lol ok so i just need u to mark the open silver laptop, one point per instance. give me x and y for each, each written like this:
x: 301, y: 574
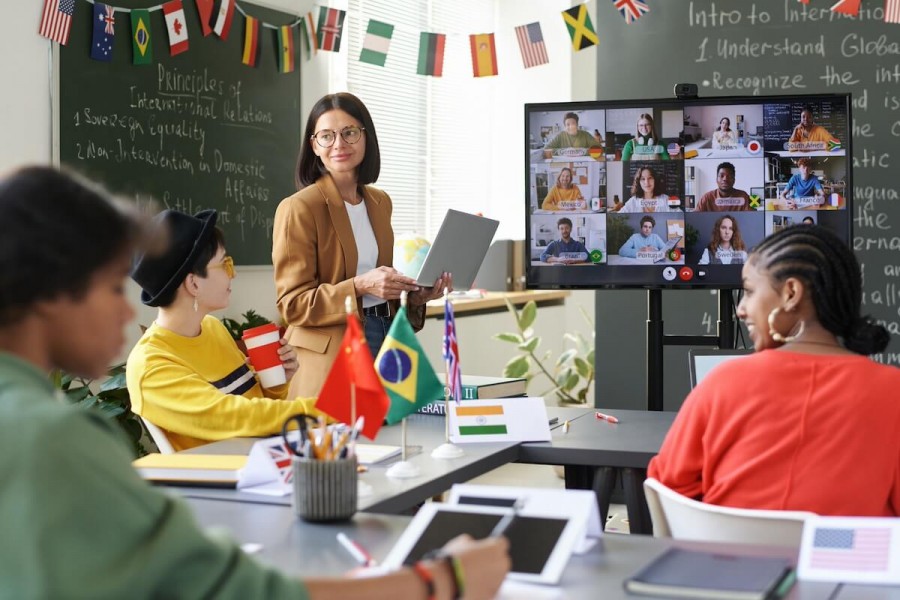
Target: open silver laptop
x: 459, y: 248
x: 703, y: 360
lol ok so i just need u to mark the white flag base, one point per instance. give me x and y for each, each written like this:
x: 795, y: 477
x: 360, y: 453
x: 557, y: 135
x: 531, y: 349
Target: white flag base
x: 403, y: 470
x: 363, y: 489
x: 447, y: 451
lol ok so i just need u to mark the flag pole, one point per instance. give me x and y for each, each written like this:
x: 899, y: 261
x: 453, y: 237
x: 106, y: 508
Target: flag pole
x: 348, y: 306
x: 447, y: 449
x: 403, y: 469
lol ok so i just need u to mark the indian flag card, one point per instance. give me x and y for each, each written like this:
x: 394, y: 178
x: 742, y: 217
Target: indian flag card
x: 499, y: 420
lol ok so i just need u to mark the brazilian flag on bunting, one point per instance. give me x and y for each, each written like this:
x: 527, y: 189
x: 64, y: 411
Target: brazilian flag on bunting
x: 405, y: 372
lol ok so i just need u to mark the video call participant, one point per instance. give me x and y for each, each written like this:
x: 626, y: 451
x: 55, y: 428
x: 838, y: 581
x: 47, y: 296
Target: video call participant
x: 83, y: 524
x: 647, y: 194
x: 645, y: 241
x: 646, y: 145
x: 186, y: 375
x: 809, y: 415
x: 725, y: 197
x: 808, y: 221
x: 803, y: 185
x: 808, y: 131
x: 564, y: 245
x: 564, y: 191
x: 726, y: 247
x: 724, y: 137
x: 333, y: 240
x: 572, y: 136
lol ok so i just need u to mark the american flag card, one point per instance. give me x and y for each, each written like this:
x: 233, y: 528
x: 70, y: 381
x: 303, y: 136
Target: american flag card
x: 531, y: 45
x: 892, y: 11
x: 850, y: 550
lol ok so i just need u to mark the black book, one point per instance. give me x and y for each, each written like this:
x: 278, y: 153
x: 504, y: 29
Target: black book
x: 476, y: 387
x: 681, y: 573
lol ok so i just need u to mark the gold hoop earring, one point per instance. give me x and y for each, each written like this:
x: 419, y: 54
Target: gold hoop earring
x: 784, y: 339
x: 195, y: 304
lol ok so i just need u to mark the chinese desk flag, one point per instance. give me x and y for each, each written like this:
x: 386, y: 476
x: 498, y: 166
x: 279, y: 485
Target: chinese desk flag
x: 405, y: 371
x: 353, y: 365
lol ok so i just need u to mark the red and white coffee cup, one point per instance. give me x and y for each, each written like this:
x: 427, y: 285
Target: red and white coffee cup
x: 262, y: 344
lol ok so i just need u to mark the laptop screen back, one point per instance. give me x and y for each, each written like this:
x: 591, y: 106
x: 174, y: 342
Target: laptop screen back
x: 704, y: 361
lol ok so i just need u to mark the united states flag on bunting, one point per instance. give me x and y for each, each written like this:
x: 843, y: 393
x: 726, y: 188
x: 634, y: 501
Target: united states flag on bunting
x: 56, y: 20
x: 531, y: 45
x: 631, y: 9
x: 892, y: 11
x: 451, y: 353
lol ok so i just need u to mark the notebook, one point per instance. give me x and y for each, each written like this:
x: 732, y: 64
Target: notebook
x: 216, y: 470
x: 681, y: 573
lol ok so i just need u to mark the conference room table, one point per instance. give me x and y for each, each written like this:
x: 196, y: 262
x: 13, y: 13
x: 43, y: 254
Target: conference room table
x: 308, y: 549
x: 592, y: 452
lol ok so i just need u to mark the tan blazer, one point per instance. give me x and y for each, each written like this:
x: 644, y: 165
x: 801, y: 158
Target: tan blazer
x: 315, y: 257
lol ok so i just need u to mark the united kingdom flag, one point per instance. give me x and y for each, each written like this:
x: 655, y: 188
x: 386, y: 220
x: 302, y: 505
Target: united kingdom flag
x: 631, y: 9
x: 281, y: 455
x: 451, y: 353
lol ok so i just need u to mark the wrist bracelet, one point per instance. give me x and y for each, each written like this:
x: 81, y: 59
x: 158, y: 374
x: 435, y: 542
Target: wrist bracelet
x: 426, y: 576
x: 458, y: 577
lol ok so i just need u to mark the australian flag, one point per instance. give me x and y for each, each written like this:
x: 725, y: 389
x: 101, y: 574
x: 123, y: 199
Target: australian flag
x: 104, y: 32
x: 451, y: 353
x: 631, y: 9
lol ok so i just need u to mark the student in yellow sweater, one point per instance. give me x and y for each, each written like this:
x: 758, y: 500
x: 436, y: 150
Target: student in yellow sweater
x: 186, y: 375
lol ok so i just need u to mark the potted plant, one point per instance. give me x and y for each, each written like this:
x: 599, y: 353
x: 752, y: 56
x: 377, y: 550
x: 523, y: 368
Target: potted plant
x: 570, y: 376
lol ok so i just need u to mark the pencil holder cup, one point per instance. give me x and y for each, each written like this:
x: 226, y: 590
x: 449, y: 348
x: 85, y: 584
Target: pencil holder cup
x: 324, y: 490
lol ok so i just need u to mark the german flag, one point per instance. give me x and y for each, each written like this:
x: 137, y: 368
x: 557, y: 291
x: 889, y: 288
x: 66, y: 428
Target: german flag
x: 251, y: 41
x: 285, y: 49
x: 484, y: 55
x: 431, y: 54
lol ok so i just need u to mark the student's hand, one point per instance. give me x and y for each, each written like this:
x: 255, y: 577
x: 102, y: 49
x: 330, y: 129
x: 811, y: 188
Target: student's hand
x: 484, y: 564
x: 435, y: 291
x: 384, y: 282
x: 648, y: 249
x: 288, y: 357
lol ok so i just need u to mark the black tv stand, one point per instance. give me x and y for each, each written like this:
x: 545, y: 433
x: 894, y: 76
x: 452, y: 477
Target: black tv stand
x: 657, y: 339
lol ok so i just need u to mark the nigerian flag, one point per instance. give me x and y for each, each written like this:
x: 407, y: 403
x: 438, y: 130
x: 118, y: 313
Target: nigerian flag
x: 404, y: 370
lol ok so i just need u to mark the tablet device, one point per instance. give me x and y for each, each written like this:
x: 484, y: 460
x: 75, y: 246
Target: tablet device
x: 459, y: 248
x: 539, y: 546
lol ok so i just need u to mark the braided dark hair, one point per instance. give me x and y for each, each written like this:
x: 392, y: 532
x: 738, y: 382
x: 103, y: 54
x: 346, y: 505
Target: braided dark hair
x: 829, y: 269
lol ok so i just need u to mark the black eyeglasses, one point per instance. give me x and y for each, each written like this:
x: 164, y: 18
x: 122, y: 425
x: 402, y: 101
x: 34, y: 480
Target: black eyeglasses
x: 327, y: 137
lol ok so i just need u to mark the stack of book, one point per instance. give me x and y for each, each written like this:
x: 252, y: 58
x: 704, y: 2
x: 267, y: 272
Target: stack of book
x: 476, y: 387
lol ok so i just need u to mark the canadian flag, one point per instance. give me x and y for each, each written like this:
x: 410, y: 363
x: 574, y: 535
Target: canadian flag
x: 178, y: 35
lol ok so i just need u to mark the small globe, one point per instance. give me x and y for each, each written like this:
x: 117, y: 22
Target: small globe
x: 410, y: 250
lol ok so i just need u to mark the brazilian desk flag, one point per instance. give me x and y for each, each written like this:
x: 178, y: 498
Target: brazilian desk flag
x: 404, y: 370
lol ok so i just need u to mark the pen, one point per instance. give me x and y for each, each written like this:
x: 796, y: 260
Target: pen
x: 504, y: 523
x: 356, y: 551
x: 607, y: 418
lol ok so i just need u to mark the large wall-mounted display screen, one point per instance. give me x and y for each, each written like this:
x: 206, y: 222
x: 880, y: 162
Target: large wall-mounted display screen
x: 675, y: 193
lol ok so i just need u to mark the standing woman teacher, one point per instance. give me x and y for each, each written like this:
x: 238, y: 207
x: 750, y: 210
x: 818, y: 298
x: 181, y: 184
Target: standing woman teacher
x: 333, y: 239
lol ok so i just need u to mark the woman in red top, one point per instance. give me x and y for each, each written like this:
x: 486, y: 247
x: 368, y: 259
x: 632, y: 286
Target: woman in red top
x: 808, y: 422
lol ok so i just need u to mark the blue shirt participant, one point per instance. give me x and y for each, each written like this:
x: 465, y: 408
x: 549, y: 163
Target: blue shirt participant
x: 564, y: 250
x: 645, y: 241
x: 804, y: 185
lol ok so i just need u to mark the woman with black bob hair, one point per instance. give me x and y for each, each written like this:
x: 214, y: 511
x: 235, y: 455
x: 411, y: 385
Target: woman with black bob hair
x: 65, y: 253
x: 333, y: 240
x: 808, y: 422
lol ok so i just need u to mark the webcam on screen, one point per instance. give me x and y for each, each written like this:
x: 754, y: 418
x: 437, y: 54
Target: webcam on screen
x: 685, y: 90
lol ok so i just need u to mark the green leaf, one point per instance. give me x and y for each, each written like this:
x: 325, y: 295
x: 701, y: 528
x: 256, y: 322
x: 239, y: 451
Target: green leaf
x: 571, y: 382
x: 114, y: 383
x: 583, y: 368
x: 529, y: 312
x: 110, y: 410
x: 563, y: 377
x: 566, y: 357
x: 530, y: 345
x: 590, y: 357
x: 517, y: 367
x: 508, y: 337
x: 76, y: 395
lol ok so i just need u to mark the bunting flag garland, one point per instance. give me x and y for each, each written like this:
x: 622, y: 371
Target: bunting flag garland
x: 205, y: 11
x: 56, y: 20
x: 141, y: 48
x: 104, y: 32
x: 285, y: 49
x: 251, y: 41
x: 178, y: 35
x: 431, y: 54
x: 331, y: 25
x: 309, y: 35
x: 631, y: 9
x: 531, y: 45
x: 892, y: 11
x: 224, y: 17
x: 803, y: 1
x: 484, y: 54
x: 377, y: 42
x: 581, y: 30
x: 847, y: 7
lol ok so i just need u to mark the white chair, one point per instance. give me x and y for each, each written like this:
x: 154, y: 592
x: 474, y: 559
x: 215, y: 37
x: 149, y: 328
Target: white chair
x: 682, y: 518
x: 159, y: 438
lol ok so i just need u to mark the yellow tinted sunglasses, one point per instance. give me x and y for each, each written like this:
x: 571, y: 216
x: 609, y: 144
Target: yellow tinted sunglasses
x: 227, y: 264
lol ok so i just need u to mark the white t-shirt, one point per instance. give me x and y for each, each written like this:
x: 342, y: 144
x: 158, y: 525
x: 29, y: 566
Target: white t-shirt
x: 366, y: 245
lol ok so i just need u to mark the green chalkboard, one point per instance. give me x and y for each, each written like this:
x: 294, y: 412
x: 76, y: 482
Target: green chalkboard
x: 197, y: 130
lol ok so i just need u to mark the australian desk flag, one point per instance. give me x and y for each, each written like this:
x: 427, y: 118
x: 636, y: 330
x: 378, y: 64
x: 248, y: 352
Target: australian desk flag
x: 404, y: 370
x: 104, y: 21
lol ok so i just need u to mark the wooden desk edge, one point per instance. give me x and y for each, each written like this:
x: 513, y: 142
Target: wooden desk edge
x: 495, y: 300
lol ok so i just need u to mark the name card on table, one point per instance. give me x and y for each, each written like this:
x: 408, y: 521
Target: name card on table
x: 850, y: 550
x: 499, y: 420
